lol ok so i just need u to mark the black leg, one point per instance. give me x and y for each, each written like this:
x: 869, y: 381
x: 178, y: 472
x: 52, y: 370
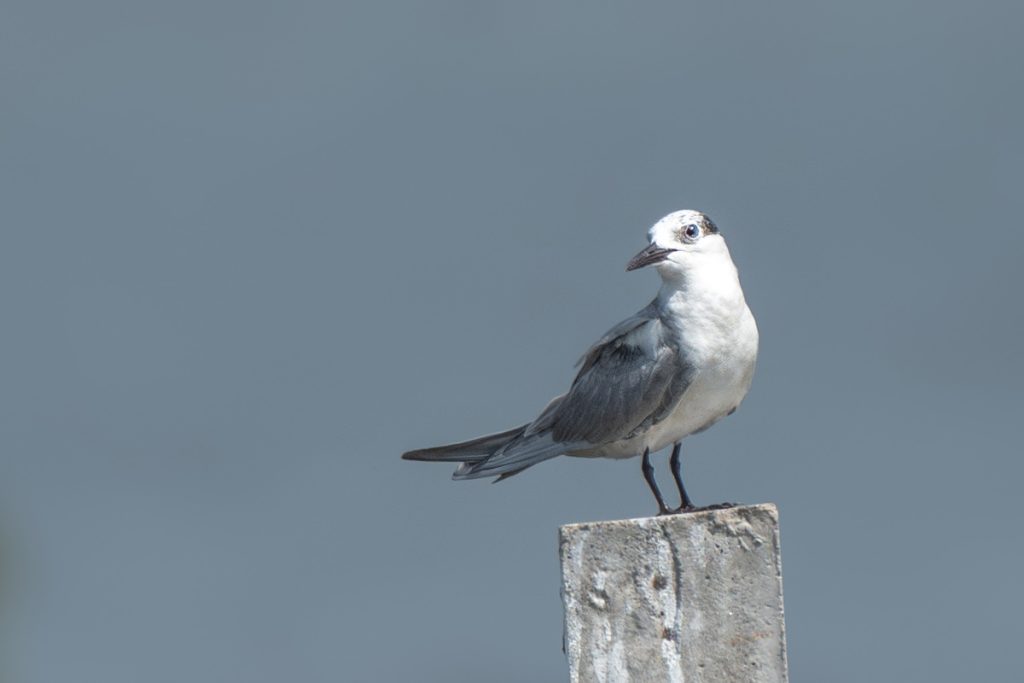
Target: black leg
x: 684, y: 500
x: 649, y: 476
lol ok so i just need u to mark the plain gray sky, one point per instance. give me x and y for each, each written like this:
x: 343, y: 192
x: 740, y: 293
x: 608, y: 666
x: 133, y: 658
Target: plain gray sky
x: 253, y: 251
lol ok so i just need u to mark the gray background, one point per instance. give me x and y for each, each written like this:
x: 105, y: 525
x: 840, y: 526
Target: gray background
x: 253, y: 251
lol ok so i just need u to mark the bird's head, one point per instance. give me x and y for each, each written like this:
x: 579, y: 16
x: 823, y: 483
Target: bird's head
x: 680, y: 242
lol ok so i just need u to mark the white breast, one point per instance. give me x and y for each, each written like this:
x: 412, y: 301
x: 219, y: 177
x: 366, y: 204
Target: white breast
x: 724, y: 365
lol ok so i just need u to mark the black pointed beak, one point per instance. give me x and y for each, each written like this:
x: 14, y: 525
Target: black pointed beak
x: 652, y: 254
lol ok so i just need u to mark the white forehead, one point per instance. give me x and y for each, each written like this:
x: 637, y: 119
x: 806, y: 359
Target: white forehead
x: 667, y: 226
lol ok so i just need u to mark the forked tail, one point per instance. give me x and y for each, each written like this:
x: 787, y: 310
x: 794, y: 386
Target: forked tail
x: 501, y: 455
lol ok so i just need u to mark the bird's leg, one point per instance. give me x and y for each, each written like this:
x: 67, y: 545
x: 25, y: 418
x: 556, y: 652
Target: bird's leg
x: 685, y: 504
x: 649, y: 476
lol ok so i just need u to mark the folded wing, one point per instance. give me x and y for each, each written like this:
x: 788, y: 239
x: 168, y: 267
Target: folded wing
x: 628, y: 380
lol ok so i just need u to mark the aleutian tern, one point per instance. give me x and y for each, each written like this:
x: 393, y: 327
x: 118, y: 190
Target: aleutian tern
x: 673, y: 369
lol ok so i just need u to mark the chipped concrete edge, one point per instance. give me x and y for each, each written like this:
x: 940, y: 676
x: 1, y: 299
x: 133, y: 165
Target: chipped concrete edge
x: 769, y: 508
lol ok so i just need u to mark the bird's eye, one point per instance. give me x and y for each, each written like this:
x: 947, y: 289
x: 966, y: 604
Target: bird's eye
x: 692, y: 232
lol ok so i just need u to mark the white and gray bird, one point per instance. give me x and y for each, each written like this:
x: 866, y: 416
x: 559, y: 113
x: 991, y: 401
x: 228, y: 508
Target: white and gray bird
x: 673, y: 369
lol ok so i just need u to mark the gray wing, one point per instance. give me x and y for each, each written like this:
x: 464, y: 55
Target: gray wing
x: 631, y: 378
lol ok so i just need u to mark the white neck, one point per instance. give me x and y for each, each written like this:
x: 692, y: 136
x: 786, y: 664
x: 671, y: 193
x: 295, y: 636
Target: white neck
x: 713, y: 279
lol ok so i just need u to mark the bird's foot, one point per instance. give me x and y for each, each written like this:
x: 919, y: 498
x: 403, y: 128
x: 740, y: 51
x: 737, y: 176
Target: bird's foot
x: 685, y: 509
x: 719, y: 506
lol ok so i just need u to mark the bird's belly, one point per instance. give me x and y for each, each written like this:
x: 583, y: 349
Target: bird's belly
x: 711, y: 396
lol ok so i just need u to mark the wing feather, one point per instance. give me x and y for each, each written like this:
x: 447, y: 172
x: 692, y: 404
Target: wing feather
x: 630, y: 378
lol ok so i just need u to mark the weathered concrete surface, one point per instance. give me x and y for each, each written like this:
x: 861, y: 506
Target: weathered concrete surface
x: 693, y: 597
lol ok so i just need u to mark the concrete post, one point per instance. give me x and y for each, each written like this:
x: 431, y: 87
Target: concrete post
x: 693, y: 597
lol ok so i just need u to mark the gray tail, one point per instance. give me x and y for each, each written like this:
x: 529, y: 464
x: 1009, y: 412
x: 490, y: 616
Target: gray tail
x: 501, y: 455
x: 473, y: 450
